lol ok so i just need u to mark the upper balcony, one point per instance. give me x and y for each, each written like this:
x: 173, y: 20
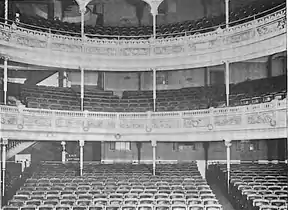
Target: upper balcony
x: 258, y: 37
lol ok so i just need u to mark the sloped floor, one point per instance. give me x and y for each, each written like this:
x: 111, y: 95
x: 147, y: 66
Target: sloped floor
x: 222, y: 199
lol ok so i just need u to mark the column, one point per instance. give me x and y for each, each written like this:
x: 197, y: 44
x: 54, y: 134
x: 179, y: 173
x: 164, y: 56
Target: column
x: 58, y: 13
x: 139, y: 81
x: 82, y: 11
x: 50, y: 9
x: 81, y: 144
x: 228, y: 160
x: 5, y: 79
x: 139, y: 147
x: 4, y: 144
x: 100, y: 81
x: 206, y: 72
x: 227, y: 12
x: 63, y: 144
x: 65, y: 79
x: 154, y: 89
x: 269, y: 66
x: 6, y: 11
x: 154, y: 11
x: 82, y: 88
x: 227, y: 82
x: 154, y: 144
x: 270, y: 149
x: 154, y: 24
x: 61, y: 78
x: 206, y: 153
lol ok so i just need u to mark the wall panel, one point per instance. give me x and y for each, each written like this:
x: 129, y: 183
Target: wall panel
x: 241, y: 71
x: 164, y: 151
x: 116, y: 81
x: 90, y: 78
x: 278, y: 66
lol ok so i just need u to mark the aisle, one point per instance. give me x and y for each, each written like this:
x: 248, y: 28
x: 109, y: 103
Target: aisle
x: 222, y: 199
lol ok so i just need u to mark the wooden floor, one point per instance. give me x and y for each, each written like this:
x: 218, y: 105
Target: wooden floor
x: 222, y: 199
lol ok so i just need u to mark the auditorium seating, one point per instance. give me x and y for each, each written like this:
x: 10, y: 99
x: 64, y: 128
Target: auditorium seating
x: 193, y: 98
x: 50, y: 98
x: 113, y: 187
x: 254, y: 10
x: 254, y: 186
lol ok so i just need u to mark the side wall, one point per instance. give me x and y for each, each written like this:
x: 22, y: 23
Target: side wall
x: 165, y: 151
x: 170, y: 11
x: 239, y: 72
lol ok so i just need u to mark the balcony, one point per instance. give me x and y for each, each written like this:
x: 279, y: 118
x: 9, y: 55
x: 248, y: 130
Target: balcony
x: 257, y: 38
x: 260, y: 121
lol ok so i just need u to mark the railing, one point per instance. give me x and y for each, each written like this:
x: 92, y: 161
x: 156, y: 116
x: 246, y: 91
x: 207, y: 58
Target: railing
x: 270, y: 115
x: 256, y: 28
x: 12, y: 144
x: 159, y: 35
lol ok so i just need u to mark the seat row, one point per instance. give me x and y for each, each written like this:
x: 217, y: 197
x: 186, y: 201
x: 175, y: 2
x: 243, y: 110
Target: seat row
x: 105, y: 202
x: 24, y: 195
x: 254, y: 187
x: 81, y: 196
x: 245, y: 93
x: 122, y: 189
x: 116, y: 207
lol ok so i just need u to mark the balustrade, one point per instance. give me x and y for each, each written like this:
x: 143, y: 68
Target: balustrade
x: 260, y: 28
x: 272, y: 115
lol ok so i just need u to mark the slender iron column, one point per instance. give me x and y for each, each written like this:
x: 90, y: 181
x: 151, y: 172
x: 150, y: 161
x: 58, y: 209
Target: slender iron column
x: 228, y: 160
x: 6, y: 11
x: 227, y: 12
x: 63, y: 143
x: 82, y: 88
x: 154, y: 25
x: 154, y: 145
x: 154, y: 89
x: 4, y: 144
x: 82, y: 11
x: 5, y: 79
x: 227, y: 82
x: 81, y: 144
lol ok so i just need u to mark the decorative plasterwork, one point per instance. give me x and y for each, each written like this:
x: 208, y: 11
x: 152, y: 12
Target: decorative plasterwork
x: 267, y: 120
x: 154, y: 4
x: 250, y: 40
x: 82, y: 4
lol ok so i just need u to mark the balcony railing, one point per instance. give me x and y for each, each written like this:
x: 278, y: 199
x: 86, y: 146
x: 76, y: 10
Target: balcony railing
x: 269, y: 116
x: 183, y: 43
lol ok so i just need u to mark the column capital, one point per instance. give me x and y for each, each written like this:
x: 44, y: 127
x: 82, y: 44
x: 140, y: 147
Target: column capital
x: 63, y: 143
x: 154, y: 143
x: 82, y: 10
x: 154, y: 4
x: 227, y: 142
x: 5, y: 57
x: 82, y: 5
x: 4, y: 141
x: 81, y: 143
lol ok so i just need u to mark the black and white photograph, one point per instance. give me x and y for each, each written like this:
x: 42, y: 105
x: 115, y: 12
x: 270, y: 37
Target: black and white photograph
x: 143, y: 105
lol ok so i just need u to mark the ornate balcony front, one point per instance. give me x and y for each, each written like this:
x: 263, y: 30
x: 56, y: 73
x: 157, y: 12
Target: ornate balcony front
x: 260, y: 37
x: 261, y: 121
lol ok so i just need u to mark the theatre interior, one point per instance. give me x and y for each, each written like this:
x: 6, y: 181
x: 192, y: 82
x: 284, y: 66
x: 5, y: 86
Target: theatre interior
x: 143, y: 105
